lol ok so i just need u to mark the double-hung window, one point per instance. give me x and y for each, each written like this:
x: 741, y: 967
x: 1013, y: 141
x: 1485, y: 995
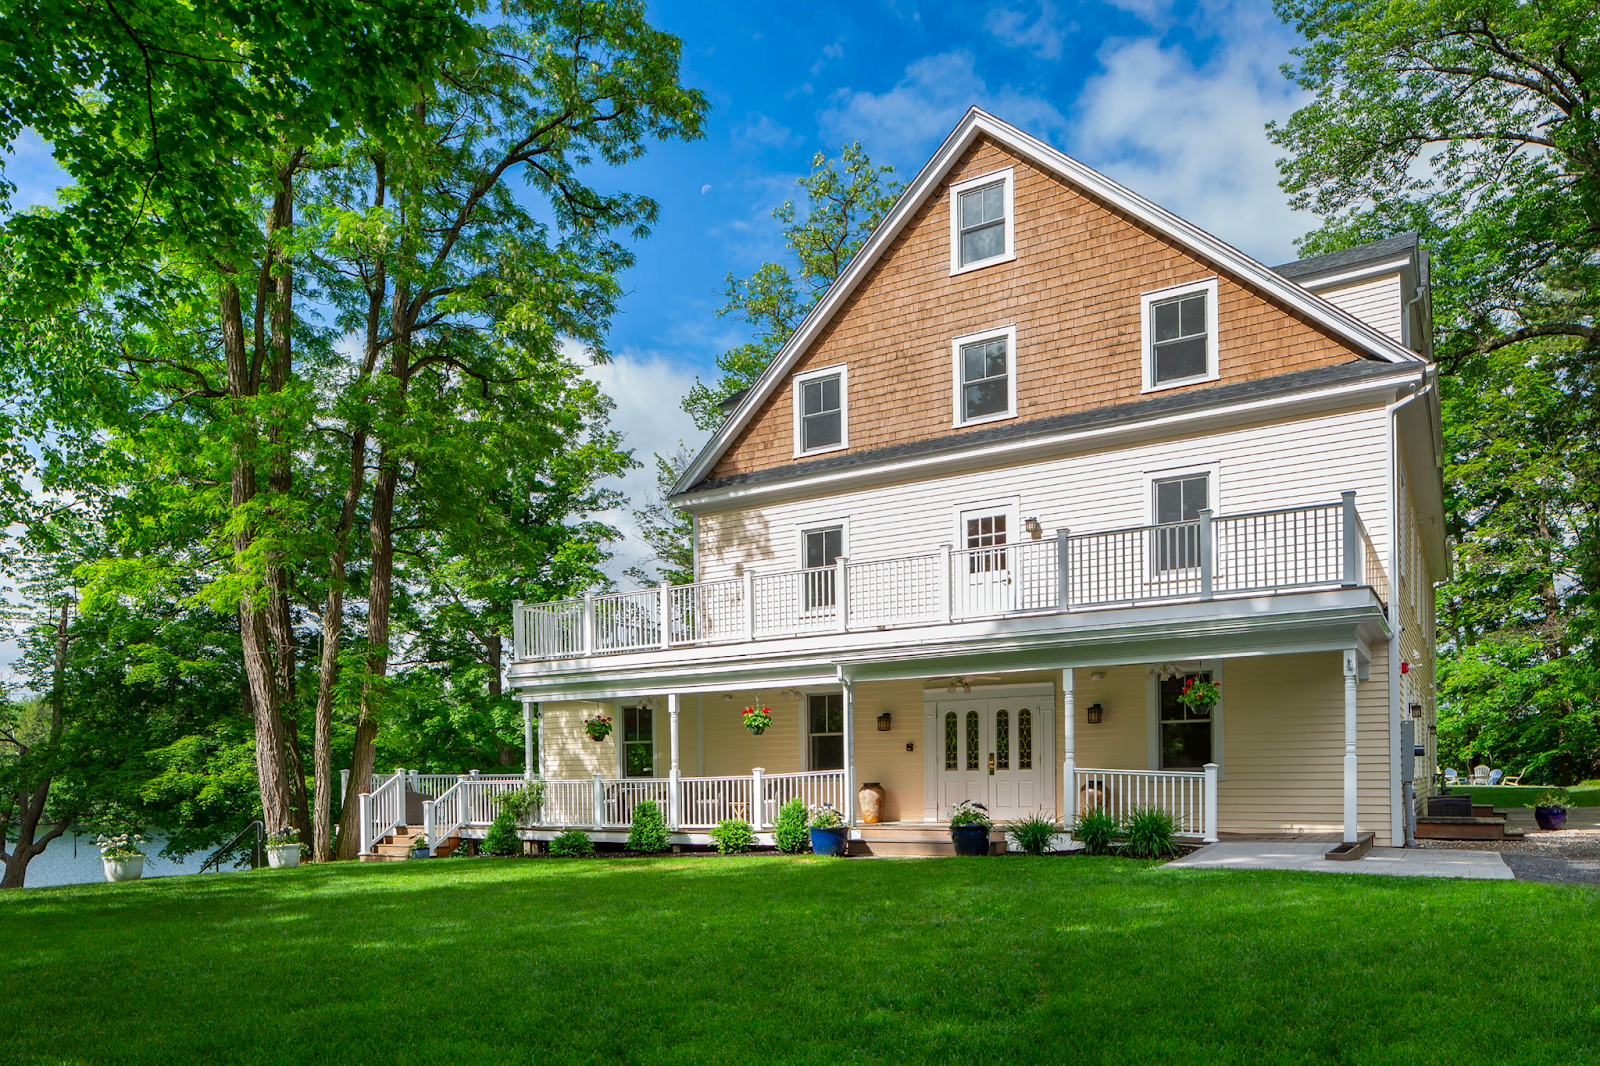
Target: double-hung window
x: 1177, y: 506
x: 638, y: 742
x: 820, y: 549
x: 1180, y: 335
x: 985, y: 376
x: 820, y: 422
x: 981, y: 225
x: 1186, y: 733
x: 825, y: 730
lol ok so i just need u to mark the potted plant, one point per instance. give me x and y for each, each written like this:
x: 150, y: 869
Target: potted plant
x: 969, y: 828
x: 757, y: 720
x: 1550, y: 809
x: 598, y: 727
x: 1200, y: 694
x: 829, y: 833
x: 283, y: 848
x: 120, y: 856
x: 419, y: 847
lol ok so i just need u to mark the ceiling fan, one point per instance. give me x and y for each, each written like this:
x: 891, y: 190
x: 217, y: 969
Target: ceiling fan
x: 961, y: 684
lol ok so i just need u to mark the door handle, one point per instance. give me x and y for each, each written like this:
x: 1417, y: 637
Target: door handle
x: 991, y: 764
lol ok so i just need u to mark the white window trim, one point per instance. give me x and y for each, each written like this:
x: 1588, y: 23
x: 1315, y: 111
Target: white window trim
x: 1005, y: 176
x: 1211, y: 472
x: 1011, y: 506
x: 804, y: 714
x: 844, y: 409
x: 816, y: 526
x: 1010, y: 335
x: 1153, y: 718
x: 1147, y: 353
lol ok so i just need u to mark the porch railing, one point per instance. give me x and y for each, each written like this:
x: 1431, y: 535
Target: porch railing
x: 1188, y: 796
x: 1291, y: 548
x: 382, y: 810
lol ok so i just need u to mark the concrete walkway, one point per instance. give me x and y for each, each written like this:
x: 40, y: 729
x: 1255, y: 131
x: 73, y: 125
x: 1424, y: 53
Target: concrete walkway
x: 1403, y: 862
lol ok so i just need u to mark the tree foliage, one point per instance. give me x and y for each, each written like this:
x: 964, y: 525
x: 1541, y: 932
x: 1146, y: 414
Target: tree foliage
x: 845, y: 201
x: 1474, y: 123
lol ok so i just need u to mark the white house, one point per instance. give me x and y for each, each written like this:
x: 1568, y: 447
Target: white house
x: 1043, y: 452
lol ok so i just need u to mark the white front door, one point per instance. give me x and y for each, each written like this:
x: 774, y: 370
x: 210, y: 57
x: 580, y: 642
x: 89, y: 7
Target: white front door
x: 983, y: 578
x: 994, y: 752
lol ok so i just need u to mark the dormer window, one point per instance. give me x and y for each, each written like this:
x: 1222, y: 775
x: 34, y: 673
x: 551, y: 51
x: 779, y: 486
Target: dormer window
x: 981, y: 225
x: 1179, y: 334
x: 820, y: 421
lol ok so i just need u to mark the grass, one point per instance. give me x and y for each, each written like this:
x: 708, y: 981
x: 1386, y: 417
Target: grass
x: 769, y: 959
x: 1585, y: 795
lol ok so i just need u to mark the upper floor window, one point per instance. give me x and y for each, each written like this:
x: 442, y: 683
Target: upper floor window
x: 985, y: 376
x: 1177, y: 505
x: 819, y: 402
x: 820, y: 549
x: 1180, y: 335
x: 981, y: 226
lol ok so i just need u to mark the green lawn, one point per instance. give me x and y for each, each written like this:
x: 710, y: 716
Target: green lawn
x: 767, y: 959
x: 1586, y: 795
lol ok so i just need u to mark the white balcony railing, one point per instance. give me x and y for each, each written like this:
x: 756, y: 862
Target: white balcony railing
x: 1321, y: 545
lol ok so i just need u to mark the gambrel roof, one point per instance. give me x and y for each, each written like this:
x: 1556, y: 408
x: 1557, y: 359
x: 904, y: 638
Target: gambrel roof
x: 1361, y: 337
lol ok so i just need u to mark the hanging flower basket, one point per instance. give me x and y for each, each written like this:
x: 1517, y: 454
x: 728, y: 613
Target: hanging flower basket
x: 1200, y: 695
x: 757, y: 720
x: 598, y: 727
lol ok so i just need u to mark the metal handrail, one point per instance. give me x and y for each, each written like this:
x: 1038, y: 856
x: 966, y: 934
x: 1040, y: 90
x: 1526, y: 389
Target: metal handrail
x: 217, y: 856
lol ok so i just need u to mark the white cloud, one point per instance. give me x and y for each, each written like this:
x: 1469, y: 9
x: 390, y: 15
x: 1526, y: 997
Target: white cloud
x: 906, y: 122
x: 647, y: 388
x: 1191, y: 137
x: 761, y: 130
x: 1042, y: 34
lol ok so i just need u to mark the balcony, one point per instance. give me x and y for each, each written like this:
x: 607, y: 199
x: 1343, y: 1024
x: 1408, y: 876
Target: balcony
x: 1320, y: 546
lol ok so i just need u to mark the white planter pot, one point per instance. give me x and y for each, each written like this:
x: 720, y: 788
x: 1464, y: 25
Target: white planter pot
x: 283, y: 856
x: 123, y: 869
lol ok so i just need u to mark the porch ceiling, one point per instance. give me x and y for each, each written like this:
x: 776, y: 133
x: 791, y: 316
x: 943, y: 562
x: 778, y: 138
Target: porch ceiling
x: 1263, y: 625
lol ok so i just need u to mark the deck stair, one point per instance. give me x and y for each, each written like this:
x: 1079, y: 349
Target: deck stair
x: 913, y: 839
x: 396, y: 847
x: 1486, y: 822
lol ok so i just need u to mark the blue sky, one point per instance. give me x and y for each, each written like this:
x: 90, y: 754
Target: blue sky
x: 1169, y: 98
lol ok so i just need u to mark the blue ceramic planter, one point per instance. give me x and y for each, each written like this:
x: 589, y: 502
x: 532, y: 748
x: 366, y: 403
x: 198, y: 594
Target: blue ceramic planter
x: 1550, y: 818
x: 970, y: 839
x: 835, y: 842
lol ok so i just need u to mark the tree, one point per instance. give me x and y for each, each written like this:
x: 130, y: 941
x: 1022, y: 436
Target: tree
x: 667, y: 531
x: 845, y: 201
x: 1474, y: 124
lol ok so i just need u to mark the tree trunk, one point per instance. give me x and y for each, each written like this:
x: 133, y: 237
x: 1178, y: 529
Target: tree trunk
x: 30, y: 803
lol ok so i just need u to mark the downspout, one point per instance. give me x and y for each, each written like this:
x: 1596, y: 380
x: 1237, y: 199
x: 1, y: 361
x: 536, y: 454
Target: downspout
x: 1398, y: 819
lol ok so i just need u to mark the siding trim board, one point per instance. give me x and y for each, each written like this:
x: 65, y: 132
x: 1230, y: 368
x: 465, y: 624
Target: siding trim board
x: 978, y: 123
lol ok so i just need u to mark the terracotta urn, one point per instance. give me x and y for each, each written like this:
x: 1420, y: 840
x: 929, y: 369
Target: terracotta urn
x: 870, y: 797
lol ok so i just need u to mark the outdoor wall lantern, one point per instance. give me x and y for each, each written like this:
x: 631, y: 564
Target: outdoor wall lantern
x: 1097, y: 714
x: 884, y: 720
x: 1032, y: 526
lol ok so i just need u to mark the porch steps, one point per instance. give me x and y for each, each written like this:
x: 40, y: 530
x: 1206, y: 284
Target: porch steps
x: 396, y: 847
x: 907, y: 839
x: 1485, y: 823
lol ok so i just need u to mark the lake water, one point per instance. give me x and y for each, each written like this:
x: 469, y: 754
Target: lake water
x: 74, y: 860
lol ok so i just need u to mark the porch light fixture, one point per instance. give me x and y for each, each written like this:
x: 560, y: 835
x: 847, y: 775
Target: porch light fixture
x: 883, y: 721
x: 1032, y: 526
x: 1096, y: 713
x: 958, y: 687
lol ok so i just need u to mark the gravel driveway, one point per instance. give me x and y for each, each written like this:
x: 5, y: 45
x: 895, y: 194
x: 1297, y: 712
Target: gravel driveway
x: 1568, y: 857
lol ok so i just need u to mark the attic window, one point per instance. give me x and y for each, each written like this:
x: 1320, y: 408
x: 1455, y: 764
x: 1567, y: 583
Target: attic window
x: 820, y: 423
x: 981, y: 224
x: 1179, y: 331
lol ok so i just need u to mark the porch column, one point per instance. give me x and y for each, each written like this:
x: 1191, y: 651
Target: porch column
x: 530, y: 755
x: 1351, y: 666
x: 1069, y: 755
x: 849, y: 749
x: 674, y: 802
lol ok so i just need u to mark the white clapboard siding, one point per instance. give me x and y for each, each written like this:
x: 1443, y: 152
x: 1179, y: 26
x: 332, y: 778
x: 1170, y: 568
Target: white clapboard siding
x: 1376, y: 301
x: 1283, y: 464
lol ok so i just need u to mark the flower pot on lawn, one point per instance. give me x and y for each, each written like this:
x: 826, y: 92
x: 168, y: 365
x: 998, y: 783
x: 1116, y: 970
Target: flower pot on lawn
x: 123, y: 869
x: 1550, y: 818
x: 283, y: 856
x: 970, y: 839
x: 834, y: 841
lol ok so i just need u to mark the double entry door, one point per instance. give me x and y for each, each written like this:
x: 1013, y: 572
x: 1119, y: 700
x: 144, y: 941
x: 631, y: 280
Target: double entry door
x: 994, y: 751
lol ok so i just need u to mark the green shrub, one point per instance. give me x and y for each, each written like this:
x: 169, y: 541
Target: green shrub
x: 501, y: 839
x: 573, y: 842
x: 1096, y: 830
x: 1034, y: 833
x: 791, y: 834
x: 1149, y: 833
x: 1553, y: 797
x: 733, y: 836
x: 521, y: 802
x: 648, y: 834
